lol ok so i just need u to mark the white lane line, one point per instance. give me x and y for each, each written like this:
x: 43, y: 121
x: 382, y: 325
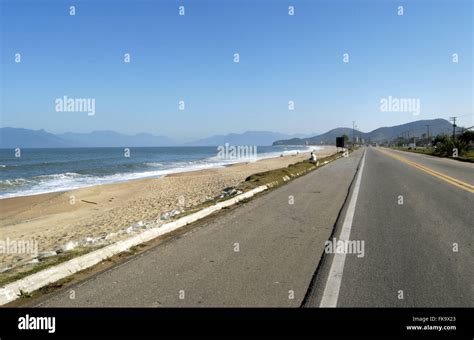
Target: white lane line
x: 333, y: 284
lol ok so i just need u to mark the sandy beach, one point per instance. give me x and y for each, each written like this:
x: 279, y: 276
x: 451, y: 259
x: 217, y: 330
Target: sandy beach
x: 104, y: 213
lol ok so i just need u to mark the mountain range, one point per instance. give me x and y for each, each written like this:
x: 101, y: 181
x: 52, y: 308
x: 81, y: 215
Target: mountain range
x: 25, y: 138
x: 247, y: 138
x: 383, y: 134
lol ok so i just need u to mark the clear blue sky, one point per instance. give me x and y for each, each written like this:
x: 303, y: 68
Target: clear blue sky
x: 282, y: 58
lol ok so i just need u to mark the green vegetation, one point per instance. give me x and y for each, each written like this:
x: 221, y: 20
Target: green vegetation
x: 275, y: 177
x: 24, y: 295
x: 443, y: 146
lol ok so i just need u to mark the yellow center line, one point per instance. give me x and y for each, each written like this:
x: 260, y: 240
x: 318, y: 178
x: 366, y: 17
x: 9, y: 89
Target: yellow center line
x: 446, y: 178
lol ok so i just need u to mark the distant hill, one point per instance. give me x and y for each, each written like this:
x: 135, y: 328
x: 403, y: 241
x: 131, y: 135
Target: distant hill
x: 260, y: 138
x: 24, y: 138
x: 326, y: 138
x: 383, y: 134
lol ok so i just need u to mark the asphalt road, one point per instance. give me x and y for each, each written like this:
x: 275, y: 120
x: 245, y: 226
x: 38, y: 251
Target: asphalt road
x: 418, y: 252
x: 410, y: 255
x: 279, y: 246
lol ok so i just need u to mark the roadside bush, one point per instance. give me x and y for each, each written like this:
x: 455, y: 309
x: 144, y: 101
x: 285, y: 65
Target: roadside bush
x: 467, y: 137
x: 444, y: 146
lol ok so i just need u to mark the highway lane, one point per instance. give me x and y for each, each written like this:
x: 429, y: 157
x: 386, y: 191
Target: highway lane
x: 418, y: 237
x: 263, y: 253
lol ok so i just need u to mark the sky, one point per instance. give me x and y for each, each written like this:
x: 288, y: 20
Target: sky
x: 283, y: 58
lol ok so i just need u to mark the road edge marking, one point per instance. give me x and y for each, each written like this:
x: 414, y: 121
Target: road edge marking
x: 333, y: 283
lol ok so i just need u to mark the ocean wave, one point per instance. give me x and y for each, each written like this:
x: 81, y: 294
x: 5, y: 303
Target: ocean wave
x: 68, y: 181
x: 154, y: 164
x: 65, y: 175
x: 14, y: 182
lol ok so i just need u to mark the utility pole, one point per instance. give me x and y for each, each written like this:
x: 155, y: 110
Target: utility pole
x: 453, y: 119
x: 428, y: 126
x: 353, y: 132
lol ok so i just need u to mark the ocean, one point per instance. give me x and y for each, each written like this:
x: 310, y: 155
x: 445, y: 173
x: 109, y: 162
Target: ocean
x: 39, y: 171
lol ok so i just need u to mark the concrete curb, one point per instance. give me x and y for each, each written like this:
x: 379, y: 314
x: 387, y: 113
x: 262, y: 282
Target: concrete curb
x: 42, y: 278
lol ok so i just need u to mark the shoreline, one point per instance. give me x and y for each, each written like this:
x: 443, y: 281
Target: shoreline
x: 103, y: 214
x: 150, y: 174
